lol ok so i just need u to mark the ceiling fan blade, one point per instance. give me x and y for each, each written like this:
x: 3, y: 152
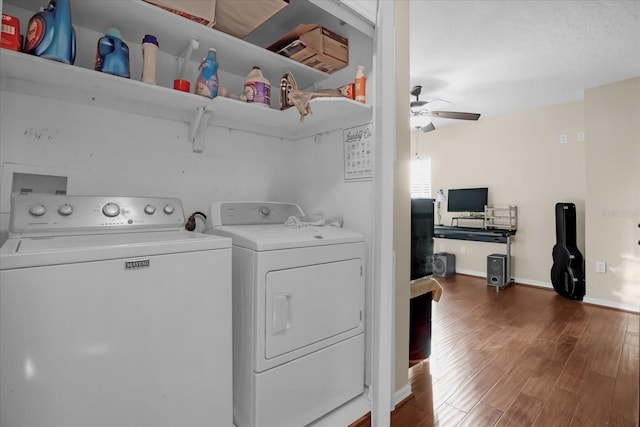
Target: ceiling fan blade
x: 452, y: 115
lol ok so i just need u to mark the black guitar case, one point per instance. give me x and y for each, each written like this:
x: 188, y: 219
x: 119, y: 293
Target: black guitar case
x: 567, y: 272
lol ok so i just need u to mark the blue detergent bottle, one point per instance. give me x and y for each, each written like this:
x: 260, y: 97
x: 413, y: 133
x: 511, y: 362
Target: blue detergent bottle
x: 207, y: 81
x: 50, y: 33
x: 112, y: 54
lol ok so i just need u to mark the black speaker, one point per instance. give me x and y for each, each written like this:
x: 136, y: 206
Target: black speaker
x: 444, y: 264
x: 497, y: 270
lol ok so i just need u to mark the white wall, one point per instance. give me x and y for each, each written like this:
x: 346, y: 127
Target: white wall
x: 402, y: 205
x: 520, y: 159
x: 109, y: 152
x: 612, y: 115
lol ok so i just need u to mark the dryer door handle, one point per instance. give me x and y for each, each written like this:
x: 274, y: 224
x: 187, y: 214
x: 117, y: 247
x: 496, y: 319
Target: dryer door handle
x: 281, y: 314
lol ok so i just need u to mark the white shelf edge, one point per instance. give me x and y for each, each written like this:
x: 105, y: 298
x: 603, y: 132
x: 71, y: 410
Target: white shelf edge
x: 31, y: 75
x: 329, y: 114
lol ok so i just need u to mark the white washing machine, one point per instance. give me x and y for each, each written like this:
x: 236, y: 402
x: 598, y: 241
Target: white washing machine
x: 298, y: 314
x: 111, y: 314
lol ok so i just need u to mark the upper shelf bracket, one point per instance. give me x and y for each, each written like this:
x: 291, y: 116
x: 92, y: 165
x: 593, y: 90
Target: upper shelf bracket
x: 197, y: 127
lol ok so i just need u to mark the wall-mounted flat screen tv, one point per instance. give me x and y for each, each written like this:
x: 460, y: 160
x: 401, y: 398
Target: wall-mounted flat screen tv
x: 471, y: 200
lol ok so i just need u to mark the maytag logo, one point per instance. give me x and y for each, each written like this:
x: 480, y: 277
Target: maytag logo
x: 133, y: 265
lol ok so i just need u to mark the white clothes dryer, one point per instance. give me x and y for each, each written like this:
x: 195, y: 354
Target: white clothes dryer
x: 298, y: 314
x: 111, y: 314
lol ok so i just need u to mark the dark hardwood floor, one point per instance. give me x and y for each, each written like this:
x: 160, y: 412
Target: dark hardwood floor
x: 523, y: 357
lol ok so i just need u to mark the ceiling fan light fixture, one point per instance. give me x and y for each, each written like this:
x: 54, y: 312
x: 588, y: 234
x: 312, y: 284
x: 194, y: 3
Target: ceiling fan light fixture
x: 419, y: 121
x: 428, y: 128
x: 418, y: 105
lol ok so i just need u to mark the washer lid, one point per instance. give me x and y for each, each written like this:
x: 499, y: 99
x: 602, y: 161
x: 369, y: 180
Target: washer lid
x: 41, y: 251
x: 276, y: 236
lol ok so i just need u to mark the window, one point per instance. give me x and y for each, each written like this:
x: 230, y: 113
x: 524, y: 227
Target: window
x: 420, y: 177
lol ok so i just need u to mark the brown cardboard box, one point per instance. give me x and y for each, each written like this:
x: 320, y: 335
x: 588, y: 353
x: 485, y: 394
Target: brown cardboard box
x: 235, y: 17
x: 240, y: 17
x: 314, y: 46
x: 202, y: 12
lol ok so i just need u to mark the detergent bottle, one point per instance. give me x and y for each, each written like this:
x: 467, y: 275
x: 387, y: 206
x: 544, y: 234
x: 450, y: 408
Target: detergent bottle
x: 149, y: 59
x: 50, y: 33
x: 207, y: 81
x: 112, y: 54
x: 257, y: 88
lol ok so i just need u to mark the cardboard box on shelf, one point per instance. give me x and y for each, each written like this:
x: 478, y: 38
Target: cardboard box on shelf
x: 202, y: 12
x: 239, y: 18
x: 314, y: 46
x: 229, y: 16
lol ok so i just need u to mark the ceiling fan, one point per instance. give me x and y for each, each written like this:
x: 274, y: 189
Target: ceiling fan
x: 422, y: 108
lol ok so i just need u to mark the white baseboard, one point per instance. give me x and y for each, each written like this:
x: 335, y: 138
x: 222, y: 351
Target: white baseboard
x: 547, y: 285
x: 471, y: 272
x: 612, y: 304
x: 531, y: 282
x: 401, y: 394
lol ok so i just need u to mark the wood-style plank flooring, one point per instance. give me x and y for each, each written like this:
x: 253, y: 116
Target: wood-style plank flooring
x: 523, y: 357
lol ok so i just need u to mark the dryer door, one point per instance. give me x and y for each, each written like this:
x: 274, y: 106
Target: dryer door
x: 309, y: 304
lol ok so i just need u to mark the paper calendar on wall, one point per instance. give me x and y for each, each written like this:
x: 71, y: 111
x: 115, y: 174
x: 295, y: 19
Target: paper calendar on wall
x: 359, y: 158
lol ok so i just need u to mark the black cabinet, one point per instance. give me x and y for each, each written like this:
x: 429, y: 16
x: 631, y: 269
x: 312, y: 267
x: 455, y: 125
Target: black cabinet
x: 420, y: 328
x: 421, y: 237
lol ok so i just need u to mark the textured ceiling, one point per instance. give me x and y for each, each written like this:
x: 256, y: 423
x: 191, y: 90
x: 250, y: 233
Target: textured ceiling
x: 497, y: 57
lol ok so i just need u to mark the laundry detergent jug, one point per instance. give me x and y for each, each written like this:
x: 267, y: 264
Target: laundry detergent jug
x: 112, y: 54
x: 50, y: 33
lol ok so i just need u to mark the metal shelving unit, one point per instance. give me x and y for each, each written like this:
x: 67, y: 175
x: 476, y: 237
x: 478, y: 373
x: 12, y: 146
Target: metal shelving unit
x: 501, y: 218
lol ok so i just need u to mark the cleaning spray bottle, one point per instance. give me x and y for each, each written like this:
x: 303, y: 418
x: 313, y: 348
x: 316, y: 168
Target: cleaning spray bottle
x: 50, y: 33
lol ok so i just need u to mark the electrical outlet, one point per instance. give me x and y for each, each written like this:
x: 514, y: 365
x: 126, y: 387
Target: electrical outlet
x: 601, y: 267
x: 442, y: 247
x: 463, y: 249
x: 581, y: 136
x: 563, y: 138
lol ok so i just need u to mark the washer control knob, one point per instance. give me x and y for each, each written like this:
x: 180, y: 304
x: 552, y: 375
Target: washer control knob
x: 37, y: 210
x: 264, y: 211
x: 111, y: 209
x: 65, y: 210
x: 150, y: 209
x: 168, y: 209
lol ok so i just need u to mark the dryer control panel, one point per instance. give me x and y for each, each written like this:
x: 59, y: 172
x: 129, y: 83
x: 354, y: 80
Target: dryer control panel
x: 51, y: 215
x: 251, y: 213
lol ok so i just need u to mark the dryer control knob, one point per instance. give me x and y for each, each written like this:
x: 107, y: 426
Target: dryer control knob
x: 168, y: 209
x: 111, y: 209
x: 264, y: 211
x: 65, y: 210
x: 150, y: 209
x: 37, y: 210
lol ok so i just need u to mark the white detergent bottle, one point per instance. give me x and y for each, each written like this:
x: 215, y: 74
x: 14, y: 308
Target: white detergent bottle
x: 257, y: 88
x: 149, y: 59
